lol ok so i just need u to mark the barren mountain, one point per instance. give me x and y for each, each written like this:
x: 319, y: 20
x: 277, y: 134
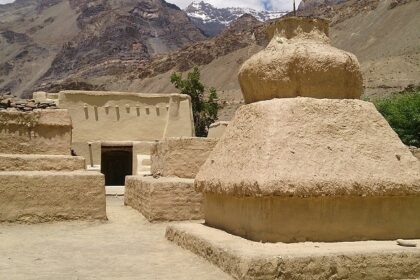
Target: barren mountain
x: 310, y: 6
x: 385, y: 36
x: 31, y: 34
x: 136, y: 45
x: 44, y: 41
x: 136, y: 74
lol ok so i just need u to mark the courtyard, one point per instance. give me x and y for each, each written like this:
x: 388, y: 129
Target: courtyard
x: 127, y: 246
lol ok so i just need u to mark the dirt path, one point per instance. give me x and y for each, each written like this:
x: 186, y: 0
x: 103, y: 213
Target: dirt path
x: 125, y: 247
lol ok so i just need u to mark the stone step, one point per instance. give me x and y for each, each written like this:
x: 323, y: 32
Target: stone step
x: 146, y: 161
x: 144, y: 168
x: 16, y: 162
x: 244, y: 259
x: 44, y: 196
x: 144, y: 174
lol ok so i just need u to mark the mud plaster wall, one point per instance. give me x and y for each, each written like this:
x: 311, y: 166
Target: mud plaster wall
x: 139, y: 148
x: 45, y: 196
x: 116, y: 116
x: 164, y: 199
x: 217, y: 130
x: 38, y: 132
x: 323, y: 219
x: 113, y: 116
x: 180, y: 157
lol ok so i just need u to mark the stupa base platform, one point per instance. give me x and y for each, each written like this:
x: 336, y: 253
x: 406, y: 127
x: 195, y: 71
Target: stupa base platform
x: 315, y: 219
x: 17, y: 162
x: 164, y: 199
x: 47, y: 196
x: 244, y: 259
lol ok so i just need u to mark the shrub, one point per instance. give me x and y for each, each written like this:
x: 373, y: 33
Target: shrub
x: 402, y: 111
x: 204, y: 109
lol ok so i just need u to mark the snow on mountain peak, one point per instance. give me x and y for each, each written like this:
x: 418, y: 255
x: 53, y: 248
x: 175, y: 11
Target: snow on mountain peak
x: 212, y: 20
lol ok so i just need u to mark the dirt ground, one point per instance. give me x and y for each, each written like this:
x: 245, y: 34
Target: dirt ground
x: 125, y: 247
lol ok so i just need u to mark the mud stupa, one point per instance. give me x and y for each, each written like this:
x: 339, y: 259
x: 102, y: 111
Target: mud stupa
x: 324, y: 166
x: 299, y: 61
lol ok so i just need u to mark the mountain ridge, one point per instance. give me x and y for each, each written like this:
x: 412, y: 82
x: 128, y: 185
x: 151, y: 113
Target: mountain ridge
x: 384, y: 35
x: 212, y: 20
x: 47, y: 40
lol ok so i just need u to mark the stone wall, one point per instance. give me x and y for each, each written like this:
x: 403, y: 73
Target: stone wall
x: 37, y: 132
x: 180, y: 157
x: 9, y: 103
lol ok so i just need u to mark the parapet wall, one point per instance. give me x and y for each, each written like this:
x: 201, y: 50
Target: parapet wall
x: 123, y: 116
x: 37, y: 132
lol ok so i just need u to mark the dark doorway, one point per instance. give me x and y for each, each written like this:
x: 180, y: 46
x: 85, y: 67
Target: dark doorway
x: 116, y: 163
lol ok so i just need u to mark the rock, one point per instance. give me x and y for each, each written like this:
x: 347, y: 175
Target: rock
x: 25, y: 105
x: 299, y: 61
x: 42, y: 106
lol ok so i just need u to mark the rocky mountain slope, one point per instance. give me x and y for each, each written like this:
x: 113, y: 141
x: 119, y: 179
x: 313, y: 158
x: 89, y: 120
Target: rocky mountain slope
x: 212, y: 20
x: 384, y: 35
x: 309, y: 6
x: 136, y: 45
x: 47, y: 40
x: 31, y: 35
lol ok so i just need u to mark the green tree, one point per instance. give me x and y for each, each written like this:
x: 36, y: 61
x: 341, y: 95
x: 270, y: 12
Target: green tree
x: 402, y: 111
x: 204, y: 109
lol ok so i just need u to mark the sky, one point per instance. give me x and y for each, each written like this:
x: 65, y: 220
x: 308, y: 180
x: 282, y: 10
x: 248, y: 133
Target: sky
x: 255, y: 4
